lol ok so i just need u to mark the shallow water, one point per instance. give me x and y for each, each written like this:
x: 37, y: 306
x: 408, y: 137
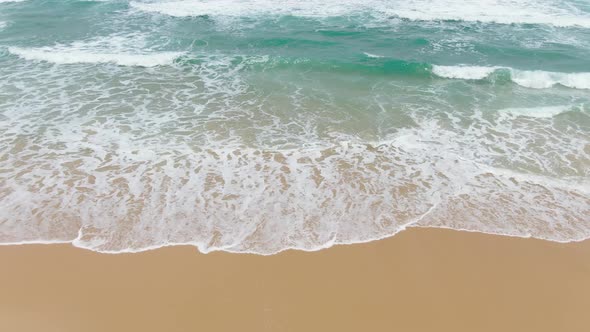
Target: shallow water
x: 259, y: 125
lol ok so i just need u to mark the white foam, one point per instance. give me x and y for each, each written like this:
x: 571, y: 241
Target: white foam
x: 537, y: 112
x: 147, y: 195
x: 535, y: 79
x: 69, y: 57
x: 463, y: 72
x: 7, y: 1
x: 233, y: 8
x: 551, y: 12
x: 124, y: 50
x: 538, y: 79
x: 374, y: 56
x: 129, y: 160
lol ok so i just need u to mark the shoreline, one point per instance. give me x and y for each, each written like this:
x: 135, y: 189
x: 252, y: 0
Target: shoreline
x: 418, y: 280
x: 288, y: 249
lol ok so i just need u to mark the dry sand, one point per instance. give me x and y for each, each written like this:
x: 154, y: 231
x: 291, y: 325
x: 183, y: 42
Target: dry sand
x: 419, y: 280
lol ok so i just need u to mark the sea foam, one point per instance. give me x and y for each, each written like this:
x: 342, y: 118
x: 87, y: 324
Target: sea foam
x: 152, y: 168
x: 548, y: 12
x: 538, y: 79
x: 463, y: 72
x: 535, y: 79
x: 374, y: 56
x: 122, y: 50
x: 74, y: 56
x: 537, y: 112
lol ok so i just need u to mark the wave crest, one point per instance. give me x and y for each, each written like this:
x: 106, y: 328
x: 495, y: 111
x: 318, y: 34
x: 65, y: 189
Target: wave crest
x: 537, y: 112
x: 541, y: 79
x: 535, y: 79
x: 463, y: 72
x: 76, y: 56
x: 122, y: 50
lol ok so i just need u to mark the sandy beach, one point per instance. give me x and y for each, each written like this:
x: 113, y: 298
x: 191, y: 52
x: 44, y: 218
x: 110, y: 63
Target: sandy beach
x: 419, y: 280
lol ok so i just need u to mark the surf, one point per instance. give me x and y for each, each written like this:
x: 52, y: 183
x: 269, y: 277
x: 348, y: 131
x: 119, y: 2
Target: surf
x: 546, y: 12
x: 535, y: 79
x: 61, y: 56
x: 260, y: 126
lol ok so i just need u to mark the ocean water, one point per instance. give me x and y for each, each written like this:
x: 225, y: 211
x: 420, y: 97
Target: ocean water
x: 264, y: 125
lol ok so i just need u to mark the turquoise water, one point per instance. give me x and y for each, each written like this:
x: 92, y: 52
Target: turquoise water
x: 259, y: 125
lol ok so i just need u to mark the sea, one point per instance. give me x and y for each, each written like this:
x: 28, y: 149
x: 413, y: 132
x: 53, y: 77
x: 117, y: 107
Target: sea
x: 257, y: 126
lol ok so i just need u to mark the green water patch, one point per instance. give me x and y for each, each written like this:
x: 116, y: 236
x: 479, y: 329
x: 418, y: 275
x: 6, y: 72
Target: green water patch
x: 366, y: 66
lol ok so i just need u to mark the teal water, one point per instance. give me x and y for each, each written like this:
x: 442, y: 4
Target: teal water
x: 260, y: 125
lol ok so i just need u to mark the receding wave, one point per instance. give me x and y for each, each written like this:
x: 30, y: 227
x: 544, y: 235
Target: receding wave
x: 536, y: 79
x: 549, y: 12
x: 249, y: 200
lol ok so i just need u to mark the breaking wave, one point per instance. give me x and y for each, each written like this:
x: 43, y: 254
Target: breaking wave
x: 122, y: 50
x: 74, y: 56
x: 538, y: 112
x: 548, y: 12
x: 535, y: 79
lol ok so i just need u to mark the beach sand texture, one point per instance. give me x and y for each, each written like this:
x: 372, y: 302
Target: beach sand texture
x: 419, y: 280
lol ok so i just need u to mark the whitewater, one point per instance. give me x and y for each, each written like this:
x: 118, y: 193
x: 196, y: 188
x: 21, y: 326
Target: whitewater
x: 257, y: 126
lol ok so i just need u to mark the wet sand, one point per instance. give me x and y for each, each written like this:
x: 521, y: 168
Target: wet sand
x: 419, y: 280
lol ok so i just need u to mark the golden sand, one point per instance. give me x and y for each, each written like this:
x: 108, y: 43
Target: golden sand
x: 419, y: 280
